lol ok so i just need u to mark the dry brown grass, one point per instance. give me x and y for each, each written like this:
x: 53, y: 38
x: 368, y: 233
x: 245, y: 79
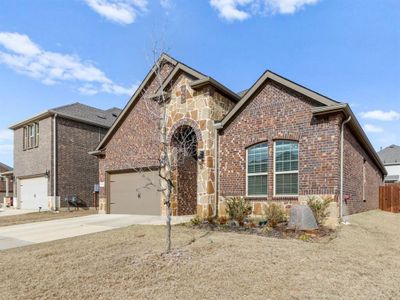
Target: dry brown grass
x: 43, y: 216
x: 362, y: 262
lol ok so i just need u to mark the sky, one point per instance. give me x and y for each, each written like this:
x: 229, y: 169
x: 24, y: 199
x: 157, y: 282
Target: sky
x: 56, y: 52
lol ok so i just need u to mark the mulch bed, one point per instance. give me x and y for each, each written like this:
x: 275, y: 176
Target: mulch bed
x: 280, y: 231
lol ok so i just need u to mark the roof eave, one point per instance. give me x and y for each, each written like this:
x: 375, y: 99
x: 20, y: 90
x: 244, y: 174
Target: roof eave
x: 77, y: 119
x: 37, y: 117
x: 355, y: 125
x: 269, y: 75
x: 134, y: 97
x: 220, y: 87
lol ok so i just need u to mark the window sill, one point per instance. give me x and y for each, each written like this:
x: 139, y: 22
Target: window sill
x: 256, y: 198
x: 285, y: 197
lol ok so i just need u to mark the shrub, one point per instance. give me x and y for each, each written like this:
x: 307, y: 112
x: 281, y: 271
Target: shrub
x: 275, y: 214
x: 222, y: 220
x: 319, y: 208
x: 196, y: 221
x: 238, y: 209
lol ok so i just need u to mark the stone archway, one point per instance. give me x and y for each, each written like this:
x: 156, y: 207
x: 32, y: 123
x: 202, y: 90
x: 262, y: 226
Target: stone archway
x: 184, y: 142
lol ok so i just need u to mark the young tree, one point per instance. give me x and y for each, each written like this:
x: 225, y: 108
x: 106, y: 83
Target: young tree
x: 173, y: 152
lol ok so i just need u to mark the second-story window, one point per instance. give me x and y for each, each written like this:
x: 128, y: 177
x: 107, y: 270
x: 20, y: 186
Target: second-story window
x: 31, y: 136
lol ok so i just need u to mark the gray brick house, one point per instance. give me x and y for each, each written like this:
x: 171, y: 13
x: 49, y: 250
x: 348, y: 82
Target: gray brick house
x: 51, y: 159
x: 390, y: 157
x: 276, y: 141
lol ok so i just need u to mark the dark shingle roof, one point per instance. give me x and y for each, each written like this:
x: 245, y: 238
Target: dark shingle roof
x: 390, y: 155
x: 89, y: 114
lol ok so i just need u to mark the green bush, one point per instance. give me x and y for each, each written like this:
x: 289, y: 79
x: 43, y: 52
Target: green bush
x: 319, y: 208
x: 196, y: 221
x: 238, y: 209
x: 275, y: 214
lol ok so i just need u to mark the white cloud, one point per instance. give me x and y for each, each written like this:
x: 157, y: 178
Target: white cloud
x: 239, y: 10
x: 231, y: 9
x: 372, y: 128
x: 119, y: 11
x: 167, y: 4
x: 381, y: 115
x: 25, y: 57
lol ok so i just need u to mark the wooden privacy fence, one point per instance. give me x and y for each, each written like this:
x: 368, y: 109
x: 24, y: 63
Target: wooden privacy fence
x: 389, y: 198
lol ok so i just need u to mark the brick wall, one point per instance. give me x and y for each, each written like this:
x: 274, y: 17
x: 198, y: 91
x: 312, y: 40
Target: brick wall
x: 279, y: 113
x: 36, y: 161
x: 77, y: 171
x: 135, y: 143
x: 362, y: 177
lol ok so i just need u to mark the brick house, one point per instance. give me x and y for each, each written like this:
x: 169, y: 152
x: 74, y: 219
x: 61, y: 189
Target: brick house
x: 51, y: 159
x: 390, y: 157
x: 6, y: 181
x: 277, y: 141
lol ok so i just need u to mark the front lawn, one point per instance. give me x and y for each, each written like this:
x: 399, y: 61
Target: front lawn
x: 360, y: 263
x: 43, y: 216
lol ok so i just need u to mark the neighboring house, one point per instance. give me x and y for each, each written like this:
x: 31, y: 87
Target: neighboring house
x: 277, y: 141
x: 51, y: 160
x: 390, y: 157
x: 6, y: 182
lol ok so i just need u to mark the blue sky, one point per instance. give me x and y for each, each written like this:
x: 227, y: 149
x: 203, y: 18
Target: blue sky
x: 55, y: 52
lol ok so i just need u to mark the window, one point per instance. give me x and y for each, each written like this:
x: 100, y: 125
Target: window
x: 257, y: 170
x: 286, y: 168
x: 31, y: 136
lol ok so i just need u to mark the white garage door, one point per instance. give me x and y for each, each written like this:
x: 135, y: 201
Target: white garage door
x: 34, y: 193
x: 135, y: 193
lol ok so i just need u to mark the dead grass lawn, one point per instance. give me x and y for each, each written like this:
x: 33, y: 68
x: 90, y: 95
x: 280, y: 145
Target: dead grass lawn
x: 362, y: 262
x: 43, y: 216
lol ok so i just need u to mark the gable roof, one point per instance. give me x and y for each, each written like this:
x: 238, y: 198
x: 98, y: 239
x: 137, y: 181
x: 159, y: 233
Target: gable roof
x: 77, y: 112
x: 390, y: 155
x: 135, y: 97
x: 179, y: 67
x: 327, y: 106
x: 269, y: 75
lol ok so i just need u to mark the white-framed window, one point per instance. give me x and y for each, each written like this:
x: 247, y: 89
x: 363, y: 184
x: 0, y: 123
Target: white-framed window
x: 286, y: 168
x: 31, y: 136
x: 257, y: 170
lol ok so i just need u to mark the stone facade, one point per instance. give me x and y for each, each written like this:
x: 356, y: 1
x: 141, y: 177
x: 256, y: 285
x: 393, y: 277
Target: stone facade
x: 199, y: 109
x: 135, y: 144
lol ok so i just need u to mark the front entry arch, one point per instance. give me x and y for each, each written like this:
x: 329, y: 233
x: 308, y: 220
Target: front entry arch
x: 184, y: 143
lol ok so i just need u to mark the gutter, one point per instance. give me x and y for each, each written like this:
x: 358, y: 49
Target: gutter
x: 356, y: 128
x: 216, y: 172
x: 342, y: 167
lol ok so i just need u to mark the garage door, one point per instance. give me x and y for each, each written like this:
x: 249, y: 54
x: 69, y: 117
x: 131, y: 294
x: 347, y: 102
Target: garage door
x: 34, y: 193
x: 135, y: 193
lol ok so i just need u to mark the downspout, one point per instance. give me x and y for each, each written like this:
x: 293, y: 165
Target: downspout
x: 216, y: 172
x: 55, y: 162
x: 341, y: 166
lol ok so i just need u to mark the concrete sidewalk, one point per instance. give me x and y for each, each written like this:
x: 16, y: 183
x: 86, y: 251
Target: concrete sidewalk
x: 40, y: 232
x: 5, y: 212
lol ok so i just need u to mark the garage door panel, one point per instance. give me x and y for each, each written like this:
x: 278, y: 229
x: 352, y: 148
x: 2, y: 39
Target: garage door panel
x: 135, y: 193
x: 34, y: 193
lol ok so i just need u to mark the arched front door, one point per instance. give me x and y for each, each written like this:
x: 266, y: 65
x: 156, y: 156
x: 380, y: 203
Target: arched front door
x: 184, y: 141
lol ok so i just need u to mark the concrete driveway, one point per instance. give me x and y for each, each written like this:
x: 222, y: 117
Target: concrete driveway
x: 40, y: 232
